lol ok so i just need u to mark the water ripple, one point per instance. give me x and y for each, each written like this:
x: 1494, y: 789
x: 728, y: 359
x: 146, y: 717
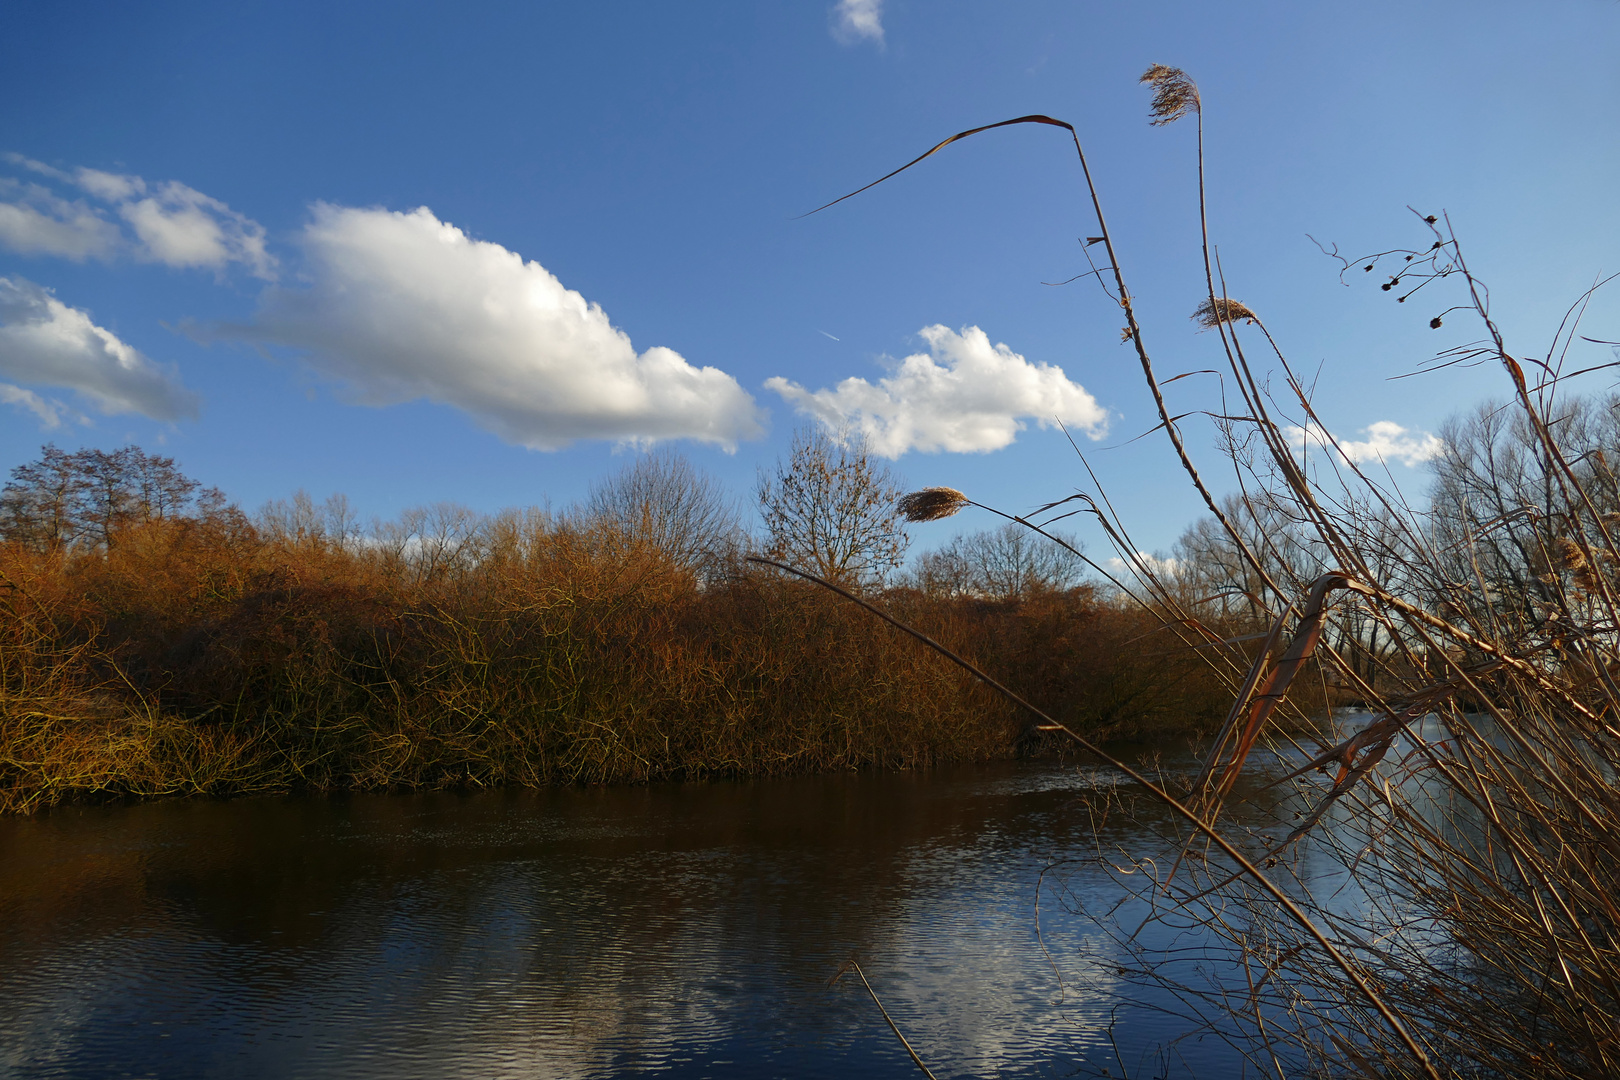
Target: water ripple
x: 677, y: 930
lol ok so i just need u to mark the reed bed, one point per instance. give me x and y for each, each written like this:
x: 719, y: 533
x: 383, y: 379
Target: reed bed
x: 1470, y: 803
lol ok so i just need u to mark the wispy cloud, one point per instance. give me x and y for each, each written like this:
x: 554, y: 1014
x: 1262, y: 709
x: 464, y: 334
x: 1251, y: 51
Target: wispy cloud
x: 167, y: 221
x: 963, y: 395
x: 1154, y: 564
x: 855, y: 21
x: 48, y: 411
x: 1385, y: 441
x: 45, y: 342
x: 403, y: 306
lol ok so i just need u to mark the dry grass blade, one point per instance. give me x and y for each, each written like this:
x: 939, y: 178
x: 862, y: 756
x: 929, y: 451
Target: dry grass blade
x: 1249, y: 714
x: 1034, y: 118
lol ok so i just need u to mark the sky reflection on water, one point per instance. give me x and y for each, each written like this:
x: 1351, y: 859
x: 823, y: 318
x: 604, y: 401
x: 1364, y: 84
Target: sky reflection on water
x: 678, y: 930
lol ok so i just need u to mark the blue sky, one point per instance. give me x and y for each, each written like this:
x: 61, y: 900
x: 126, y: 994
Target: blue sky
x: 481, y: 253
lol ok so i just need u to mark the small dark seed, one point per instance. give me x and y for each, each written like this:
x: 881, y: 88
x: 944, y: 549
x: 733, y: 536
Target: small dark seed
x: 1434, y: 323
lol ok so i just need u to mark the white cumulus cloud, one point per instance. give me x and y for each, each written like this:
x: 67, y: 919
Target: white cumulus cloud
x: 35, y: 221
x: 401, y: 306
x: 963, y: 395
x: 858, y: 20
x: 1385, y: 441
x: 171, y: 223
x: 179, y: 226
x: 46, y: 342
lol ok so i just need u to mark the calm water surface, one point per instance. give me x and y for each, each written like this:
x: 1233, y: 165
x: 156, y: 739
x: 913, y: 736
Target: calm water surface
x: 681, y: 930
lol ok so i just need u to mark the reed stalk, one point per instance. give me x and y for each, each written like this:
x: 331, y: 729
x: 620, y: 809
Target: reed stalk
x: 1471, y: 798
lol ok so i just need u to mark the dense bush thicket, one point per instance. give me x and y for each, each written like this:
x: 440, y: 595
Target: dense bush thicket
x: 204, y: 652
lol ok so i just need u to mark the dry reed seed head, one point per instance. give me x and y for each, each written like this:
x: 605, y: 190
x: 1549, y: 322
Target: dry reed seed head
x: 931, y: 504
x: 1174, y: 93
x: 1211, y: 313
x: 1574, y: 559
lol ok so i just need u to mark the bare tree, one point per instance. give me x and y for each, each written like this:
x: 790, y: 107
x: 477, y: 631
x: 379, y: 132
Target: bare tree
x: 37, y: 507
x: 661, y: 499
x: 1211, y: 565
x: 298, y: 522
x: 434, y: 542
x: 1504, y: 520
x: 831, y: 509
x: 1009, y: 563
x: 89, y: 496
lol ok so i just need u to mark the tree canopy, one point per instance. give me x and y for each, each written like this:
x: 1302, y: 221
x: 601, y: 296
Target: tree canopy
x: 831, y: 509
x: 86, y: 498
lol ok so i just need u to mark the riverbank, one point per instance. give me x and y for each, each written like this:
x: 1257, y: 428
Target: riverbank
x: 199, y: 657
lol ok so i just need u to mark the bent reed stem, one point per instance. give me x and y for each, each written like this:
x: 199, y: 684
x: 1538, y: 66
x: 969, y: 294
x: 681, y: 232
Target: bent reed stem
x: 1248, y: 868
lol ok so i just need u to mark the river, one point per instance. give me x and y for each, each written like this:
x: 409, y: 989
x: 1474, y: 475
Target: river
x: 676, y: 930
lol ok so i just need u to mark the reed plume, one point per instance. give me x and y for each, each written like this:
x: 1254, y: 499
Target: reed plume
x: 1174, y: 94
x: 931, y: 504
x: 1212, y: 312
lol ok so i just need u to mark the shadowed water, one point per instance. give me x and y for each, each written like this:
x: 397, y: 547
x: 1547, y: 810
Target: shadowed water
x: 678, y: 930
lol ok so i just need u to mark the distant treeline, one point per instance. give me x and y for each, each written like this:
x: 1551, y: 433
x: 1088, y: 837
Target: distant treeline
x: 157, y: 640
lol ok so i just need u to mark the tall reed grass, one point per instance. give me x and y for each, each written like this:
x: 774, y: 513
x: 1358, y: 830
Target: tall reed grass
x: 1471, y: 805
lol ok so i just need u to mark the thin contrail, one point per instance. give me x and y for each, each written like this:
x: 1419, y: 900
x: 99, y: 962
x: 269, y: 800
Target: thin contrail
x: 829, y: 335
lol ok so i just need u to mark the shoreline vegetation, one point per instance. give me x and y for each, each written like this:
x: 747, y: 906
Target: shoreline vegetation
x: 1471, y: 811
x: 158, y: 642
